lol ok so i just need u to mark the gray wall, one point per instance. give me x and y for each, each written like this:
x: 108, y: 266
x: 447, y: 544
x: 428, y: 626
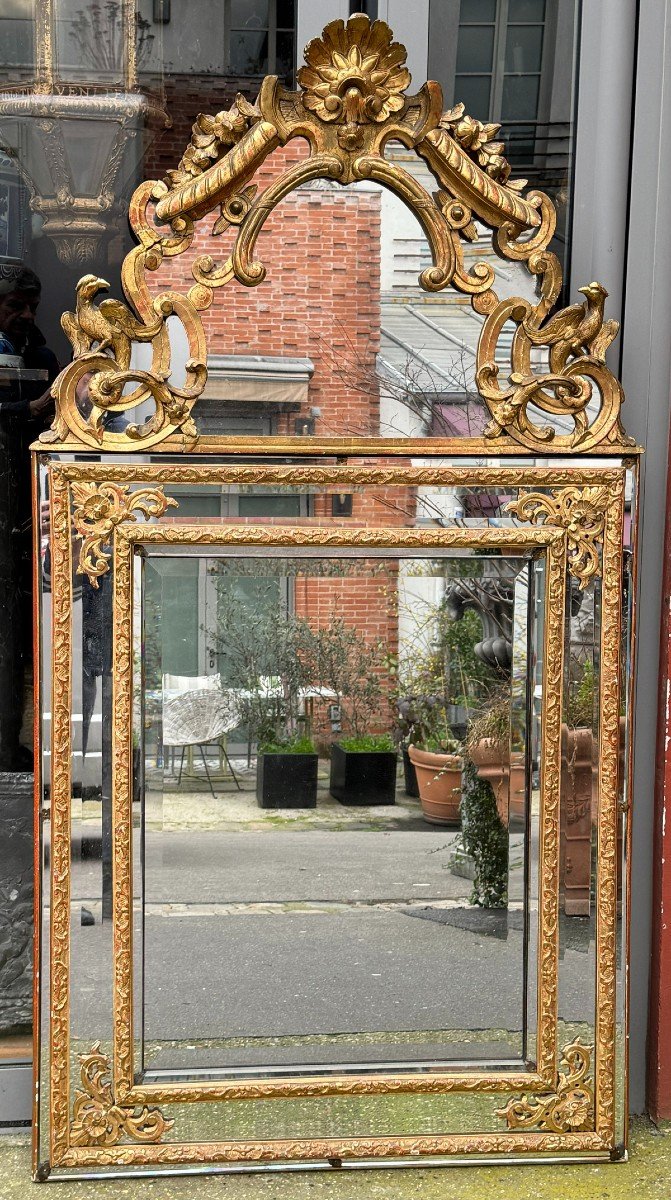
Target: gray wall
x: 622, y: 237
x: 646, y: 374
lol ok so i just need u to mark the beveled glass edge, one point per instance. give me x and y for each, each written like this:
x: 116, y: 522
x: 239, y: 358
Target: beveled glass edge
x: 125, y: 538
x: 485, y: 1144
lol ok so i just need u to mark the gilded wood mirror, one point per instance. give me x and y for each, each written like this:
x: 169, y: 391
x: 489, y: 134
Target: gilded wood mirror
x: 334, y: 705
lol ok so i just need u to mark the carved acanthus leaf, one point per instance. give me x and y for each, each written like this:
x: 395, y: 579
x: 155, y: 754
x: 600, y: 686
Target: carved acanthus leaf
x: 99, y: 508
x: 569, y: 1109
x: 581, y: 512
x: 98, y: 1121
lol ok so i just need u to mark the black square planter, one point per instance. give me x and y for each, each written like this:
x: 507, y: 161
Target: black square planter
x: 409, y: 775
x: 286, y: 780
x: 363, y: 777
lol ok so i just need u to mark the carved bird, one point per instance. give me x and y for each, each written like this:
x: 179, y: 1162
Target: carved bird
x: 111, y: 324
x: 578, y: 328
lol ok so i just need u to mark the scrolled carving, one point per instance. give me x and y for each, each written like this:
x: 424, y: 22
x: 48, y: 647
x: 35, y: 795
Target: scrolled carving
x: 111, y: 326
x: 99, y: 508
x: 576, y: 340
x: 351, y: 102
x: 581, y: 511
x: 569, y: 1109
x: 98, y: 1121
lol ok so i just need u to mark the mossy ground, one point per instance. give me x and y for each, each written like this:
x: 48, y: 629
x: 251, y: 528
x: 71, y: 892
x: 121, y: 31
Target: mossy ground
x: 646, y: 1176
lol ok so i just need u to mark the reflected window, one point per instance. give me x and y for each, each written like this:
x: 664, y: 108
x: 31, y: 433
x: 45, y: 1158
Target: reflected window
x: 512, y: 62
x: 16, y: 31
x: 192, y: 595
x: 260, y: 38
x: 500, y: 55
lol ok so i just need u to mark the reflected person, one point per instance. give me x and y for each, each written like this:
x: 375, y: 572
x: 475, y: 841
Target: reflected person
x: 27, y: 370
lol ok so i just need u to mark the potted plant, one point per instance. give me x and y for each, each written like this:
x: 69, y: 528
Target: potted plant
x: 363, y: 770
x: 269, y: 664
x: 437, y: 762
x: 489, y: 749
x: 443, y: 676
x: 484, y: 839
x: 286, y: 773
x: 363, y: 761
x: 286, y: 760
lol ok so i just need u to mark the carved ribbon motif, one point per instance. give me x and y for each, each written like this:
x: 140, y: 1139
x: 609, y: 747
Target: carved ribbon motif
x: 99, y: 508
x: 98, y: 1121
x: 581, y: 511
x: 352, y: 100
x: 568, y: 1110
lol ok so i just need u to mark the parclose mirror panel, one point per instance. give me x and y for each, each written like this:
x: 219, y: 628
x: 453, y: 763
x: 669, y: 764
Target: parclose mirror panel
x: 263, y: 915
x: 338, y: 742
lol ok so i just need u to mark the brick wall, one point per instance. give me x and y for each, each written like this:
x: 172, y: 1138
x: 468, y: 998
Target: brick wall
x: 185, y: 97
x: 320, y: 300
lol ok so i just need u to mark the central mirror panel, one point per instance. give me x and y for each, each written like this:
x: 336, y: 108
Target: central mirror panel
x: 337, y: 766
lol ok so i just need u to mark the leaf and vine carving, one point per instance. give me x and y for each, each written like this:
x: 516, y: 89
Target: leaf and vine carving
x: 581, y: 511
x: 569, y: 1109
x: 98, y: 1121
x: 99, y: 508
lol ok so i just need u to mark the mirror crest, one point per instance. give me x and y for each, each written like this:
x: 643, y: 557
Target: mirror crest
x: 351, y: 103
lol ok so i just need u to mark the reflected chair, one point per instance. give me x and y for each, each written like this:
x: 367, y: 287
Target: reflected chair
x: 197, y: 711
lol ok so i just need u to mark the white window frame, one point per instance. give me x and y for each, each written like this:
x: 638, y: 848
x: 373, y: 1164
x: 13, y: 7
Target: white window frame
x: 271, y: 30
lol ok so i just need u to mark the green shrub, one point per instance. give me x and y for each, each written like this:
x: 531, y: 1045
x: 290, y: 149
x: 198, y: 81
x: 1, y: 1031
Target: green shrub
x: 294, y: 745
x: 580, y: 706
x: 485, y: 838
x: 371, y: 743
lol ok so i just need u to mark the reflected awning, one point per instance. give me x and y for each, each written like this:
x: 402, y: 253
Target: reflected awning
x: 267, y: 381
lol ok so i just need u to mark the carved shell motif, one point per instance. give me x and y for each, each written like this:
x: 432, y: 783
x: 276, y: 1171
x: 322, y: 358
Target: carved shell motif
x: 354, y: 72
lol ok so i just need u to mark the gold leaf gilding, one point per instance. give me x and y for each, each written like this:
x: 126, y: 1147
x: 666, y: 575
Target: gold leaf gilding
x: 352, y: 100
x: 98, y: 1121
x: 581, y: 511
x: 567, y: 1110
x: 99, y: 508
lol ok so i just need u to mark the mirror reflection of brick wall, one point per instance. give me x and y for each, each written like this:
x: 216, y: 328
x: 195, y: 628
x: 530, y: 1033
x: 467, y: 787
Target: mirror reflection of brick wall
x: 319, y: 301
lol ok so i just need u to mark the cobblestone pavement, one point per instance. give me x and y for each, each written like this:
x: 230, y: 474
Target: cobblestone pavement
x: 647, y: 1176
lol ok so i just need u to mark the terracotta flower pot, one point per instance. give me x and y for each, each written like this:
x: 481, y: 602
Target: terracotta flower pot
x: 579, y: 785
x: 493, y: 766
x: 518, y: 780
x: 507, y: 775
x: 439, y: 781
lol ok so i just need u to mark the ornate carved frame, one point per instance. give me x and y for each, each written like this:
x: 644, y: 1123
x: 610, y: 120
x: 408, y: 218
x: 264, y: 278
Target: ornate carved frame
x: 352, y: 101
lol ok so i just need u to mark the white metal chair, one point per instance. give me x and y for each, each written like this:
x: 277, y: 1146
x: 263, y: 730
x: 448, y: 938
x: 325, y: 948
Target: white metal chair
x: 197, y: 711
